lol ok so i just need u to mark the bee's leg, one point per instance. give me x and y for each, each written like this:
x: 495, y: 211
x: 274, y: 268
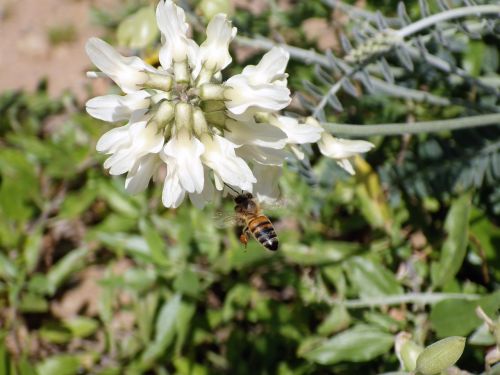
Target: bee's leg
x: 244, y: 237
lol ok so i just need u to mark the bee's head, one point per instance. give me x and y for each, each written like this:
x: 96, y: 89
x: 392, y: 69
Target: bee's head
x: 243, y: 198
x: 245, y: 203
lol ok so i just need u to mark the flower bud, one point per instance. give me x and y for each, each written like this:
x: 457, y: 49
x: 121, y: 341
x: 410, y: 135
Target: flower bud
x: 139, y: 29
x: 181, y: 72
x: 407, y: 351
x: 440, y: 355
x: 165, y: 112
x: 210, y: 91
x: 200, y: 123
x: 158, y: 81
x: 209, y: 8
x: 183, y: 116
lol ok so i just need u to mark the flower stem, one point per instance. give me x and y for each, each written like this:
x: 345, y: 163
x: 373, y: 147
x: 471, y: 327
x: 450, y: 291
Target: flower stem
x: 447, y: 15
x: 417, y: 298
x: 414, y: 128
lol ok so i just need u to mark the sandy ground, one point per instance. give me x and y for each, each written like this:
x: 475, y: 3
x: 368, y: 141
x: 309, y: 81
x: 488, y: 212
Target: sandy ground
x: 26, y: 54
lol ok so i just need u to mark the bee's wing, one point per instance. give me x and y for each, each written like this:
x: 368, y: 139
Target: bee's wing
x: 275, y: 205
x: 223, y: 220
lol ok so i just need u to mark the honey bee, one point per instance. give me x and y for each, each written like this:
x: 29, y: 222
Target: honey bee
x: 249, y: 214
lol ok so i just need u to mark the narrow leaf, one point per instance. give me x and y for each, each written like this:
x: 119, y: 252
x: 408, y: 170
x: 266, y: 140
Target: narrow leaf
x: 455, y: 246
x: 359, y: 344
x: 371, y: 279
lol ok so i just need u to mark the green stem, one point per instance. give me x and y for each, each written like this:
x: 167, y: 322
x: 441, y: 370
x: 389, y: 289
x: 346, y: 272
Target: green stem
x: 416, y: 298
x: 413, y: 128
x: 445, y: 16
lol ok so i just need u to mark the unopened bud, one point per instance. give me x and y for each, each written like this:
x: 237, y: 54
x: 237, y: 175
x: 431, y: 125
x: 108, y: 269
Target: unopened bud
x: 158, y: 81
x: 211, y: 91
x: 165, y: 112
x: 440, y: 355
x: 407, y: 351
x: 210, y: 8
x: 200, y: 123
x: 181, y: 72
x: 378, y: 44
x: 183, y: 116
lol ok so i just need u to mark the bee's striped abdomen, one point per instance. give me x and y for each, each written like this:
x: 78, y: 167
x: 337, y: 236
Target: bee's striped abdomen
x: 263, y: 231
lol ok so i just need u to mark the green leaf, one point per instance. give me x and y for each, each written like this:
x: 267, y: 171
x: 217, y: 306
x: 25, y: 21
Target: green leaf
x: 76, y: 203
x: 458, y: 317
x: 64, y: 268
x: 371, y: 279
x: 454, y: 317
x: 32, y: 249
x: 146, y: 307
x: 474, y: 58
x: 33, y: 303
x: 7, y: 268
x: 455, y: 246
x: 156, y: 243
x: 25, y: 367
x: 165, y: 331
x: 55, y: 333
x: 187, y: 283
x: 63, y: 364
x: 361, y: 343
x: 81, y: 326
x: 486, y: 237
x: 183, y: 324
x: 338, y: 319
x: 320, y: 253
x: 482, y: 336
x: 117, y: 199
x: 4, y: 358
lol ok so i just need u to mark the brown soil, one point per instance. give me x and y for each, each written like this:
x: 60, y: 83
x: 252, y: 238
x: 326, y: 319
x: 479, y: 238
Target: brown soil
x: 27, y: 52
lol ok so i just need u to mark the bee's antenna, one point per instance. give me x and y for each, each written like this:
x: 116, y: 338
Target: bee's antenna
x: 233, y: 189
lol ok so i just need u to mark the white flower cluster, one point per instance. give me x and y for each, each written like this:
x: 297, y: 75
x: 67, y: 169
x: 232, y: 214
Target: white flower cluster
x: 194, y: 132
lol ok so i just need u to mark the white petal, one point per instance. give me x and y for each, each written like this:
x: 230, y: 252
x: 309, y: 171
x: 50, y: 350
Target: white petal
x: 298, y: 133
x: 138, y: 177
x: 184, y: 153
x: 173, y: 193
x: 346, y: 165
x: 114, y: 108
x: 271, y: 67
x: 173, y: 27
x: 120, y: 162
x: 260, y: 87
x: 262, y: 155
x: 266, y: 97
x: 207, y: 195
x: 127, y: 72
x: 266, y: 189
x: 258, y: 134
x: 338, y: 148
x: 128, y: 144
x: 114, y: 139
x: 214, y: 52
x: 220, y: 156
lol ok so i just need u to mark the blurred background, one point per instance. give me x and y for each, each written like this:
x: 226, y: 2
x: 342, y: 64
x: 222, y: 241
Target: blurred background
x: 94, y: 281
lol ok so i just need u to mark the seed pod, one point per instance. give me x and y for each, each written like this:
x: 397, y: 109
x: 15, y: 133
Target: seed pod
x: 440, y: 355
